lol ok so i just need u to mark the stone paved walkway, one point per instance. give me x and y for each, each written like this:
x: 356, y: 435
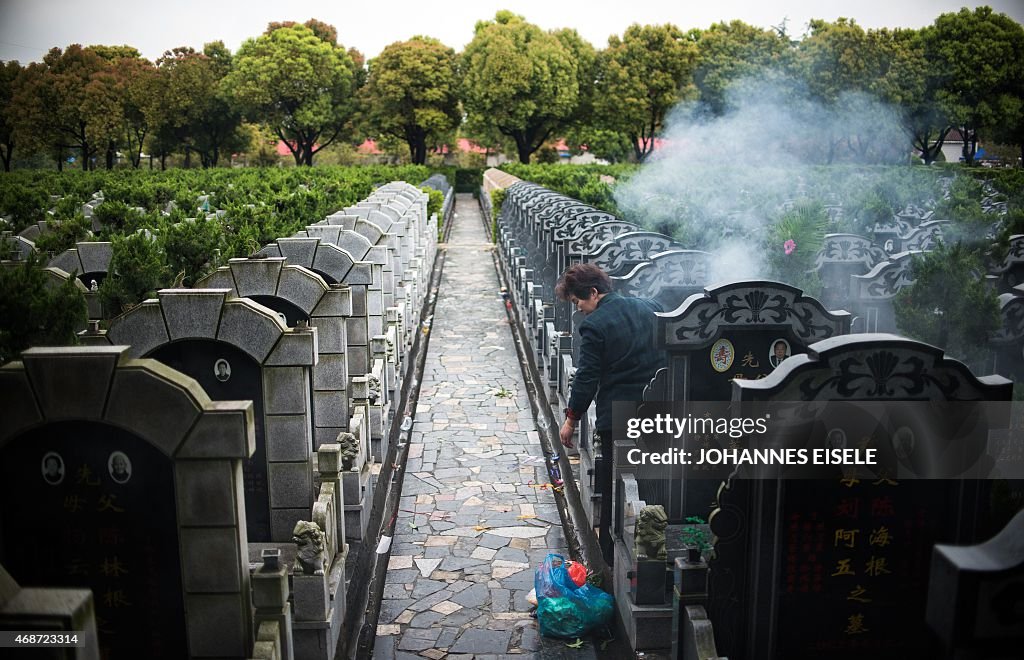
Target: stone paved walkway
x: 474, y: 522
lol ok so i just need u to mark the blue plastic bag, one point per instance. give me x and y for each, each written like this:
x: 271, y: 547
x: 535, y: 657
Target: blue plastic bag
x: 563, y: 609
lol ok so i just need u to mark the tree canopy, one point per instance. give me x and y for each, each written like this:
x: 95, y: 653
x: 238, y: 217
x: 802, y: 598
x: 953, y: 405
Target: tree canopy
x: 729, y: 53
x: 515, y: 87
x: 411, y: 93
x: 641, y: 77
x: 297, y: 82
x: 977, y: 59
x: 520, y: 79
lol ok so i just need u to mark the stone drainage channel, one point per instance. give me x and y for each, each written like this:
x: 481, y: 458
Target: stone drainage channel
x: 465, y: 508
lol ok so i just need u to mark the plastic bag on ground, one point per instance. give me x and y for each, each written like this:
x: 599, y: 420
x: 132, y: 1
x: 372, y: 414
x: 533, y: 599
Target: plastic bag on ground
x: 565, y: 609
x: 577, y: 573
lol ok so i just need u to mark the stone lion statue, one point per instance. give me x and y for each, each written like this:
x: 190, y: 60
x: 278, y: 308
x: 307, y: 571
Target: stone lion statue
x: 650, y: 532
x: 373, y: 392
x: 349, y: 449
x: 310, y: 557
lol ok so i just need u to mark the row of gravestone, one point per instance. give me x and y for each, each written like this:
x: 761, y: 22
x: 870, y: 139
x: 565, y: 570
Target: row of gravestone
x: 731, y: 342
x: 183, y: 452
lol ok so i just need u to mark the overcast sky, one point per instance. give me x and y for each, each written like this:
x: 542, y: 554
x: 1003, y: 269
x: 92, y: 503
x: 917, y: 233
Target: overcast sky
x: 28, y: 28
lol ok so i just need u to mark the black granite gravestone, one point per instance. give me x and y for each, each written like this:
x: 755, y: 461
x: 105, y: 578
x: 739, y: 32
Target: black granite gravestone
x: 838, y: 567
x: 91, y: 505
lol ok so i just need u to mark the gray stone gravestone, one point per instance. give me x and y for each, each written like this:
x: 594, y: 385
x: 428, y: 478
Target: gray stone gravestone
x: 872, y: 294
x: 840, y: 257
x: 236, y: 350
x: 140, y: 474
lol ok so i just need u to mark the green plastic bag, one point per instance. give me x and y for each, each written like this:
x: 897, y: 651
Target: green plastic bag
x: 565, y: 610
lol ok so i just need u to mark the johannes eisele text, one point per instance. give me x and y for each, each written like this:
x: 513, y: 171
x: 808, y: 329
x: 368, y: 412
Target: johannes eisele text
x: 736, y: 427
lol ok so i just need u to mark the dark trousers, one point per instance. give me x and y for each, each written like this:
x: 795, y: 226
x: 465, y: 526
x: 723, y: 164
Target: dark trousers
x: 603, y: 485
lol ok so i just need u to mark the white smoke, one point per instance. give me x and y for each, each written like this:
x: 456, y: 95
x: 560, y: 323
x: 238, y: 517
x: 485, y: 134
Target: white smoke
x: 719, y: 183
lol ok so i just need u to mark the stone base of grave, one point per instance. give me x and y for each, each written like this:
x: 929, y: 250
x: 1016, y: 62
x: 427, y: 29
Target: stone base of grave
x: 589, y: 497
x: 357, y: 493
x: 318, y: 639
x: 378, y: 437
x: 394, y: 381
x: 648, y: 627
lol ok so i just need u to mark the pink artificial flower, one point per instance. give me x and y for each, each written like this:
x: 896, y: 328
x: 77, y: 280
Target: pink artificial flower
x: 790, y: 246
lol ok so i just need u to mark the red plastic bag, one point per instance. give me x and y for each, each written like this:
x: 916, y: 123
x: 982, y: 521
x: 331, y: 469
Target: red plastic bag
x: 577, y: 572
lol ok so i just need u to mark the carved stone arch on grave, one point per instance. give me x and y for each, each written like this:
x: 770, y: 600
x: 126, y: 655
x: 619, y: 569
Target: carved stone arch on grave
x: 544, y: 209
x: 590, y: 237
x: 535, y: 201
x: 1010, y: 271
x: 342, y: 218
x: 376, y: 224
x: 552, y: 213
x: 264, y: 280
x: 1008, y: 341
x: 849, y: 248
x: 871, y: 295
x: 237, y: 349
x: 518, y: 191
x: 16, y: 248
x: 670, y: 277
x: 623, y: 252
x: 700, y: 319
x: 872, y: 367
x: 33, y: 231
x: 88, y: 260
x: 566, y: 215
x: 521, y: 194
x: 886, y: 279
x: 301, y: 295
x: 326, y: 259
x: 125, y: 533
x: 924, y: 236
x: 1011, y: 309
x: 577, y: 225
x: 353, y: 243
x: 527, y: 191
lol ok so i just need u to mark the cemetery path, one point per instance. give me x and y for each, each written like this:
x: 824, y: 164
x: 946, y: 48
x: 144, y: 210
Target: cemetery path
x: 473, y: 522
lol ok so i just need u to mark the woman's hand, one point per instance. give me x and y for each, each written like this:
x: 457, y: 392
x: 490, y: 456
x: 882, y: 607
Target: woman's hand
x: 566, y: 432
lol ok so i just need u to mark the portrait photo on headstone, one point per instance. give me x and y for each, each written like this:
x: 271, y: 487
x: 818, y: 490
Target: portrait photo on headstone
x: 53, y: 468
x: 780, y: 351
x: 119, y: 467
x: 222, y: 370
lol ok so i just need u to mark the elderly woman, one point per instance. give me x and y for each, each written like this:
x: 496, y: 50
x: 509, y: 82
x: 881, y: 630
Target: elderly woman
x: 617, y: 359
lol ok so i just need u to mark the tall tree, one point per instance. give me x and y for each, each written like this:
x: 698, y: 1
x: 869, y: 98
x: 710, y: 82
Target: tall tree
x: 731, y: 53
x: 205, y: 119
x: 519, y: 79
x: 641, y: 77
x: 9, y: 74
x: 50, y: 103
x: 411, y: 94
x: 909, y: 84
x: 978, y: 58
x: 843, y: 68
x: 140, y: 93
x: 298, y: 83
x: 105, y: 97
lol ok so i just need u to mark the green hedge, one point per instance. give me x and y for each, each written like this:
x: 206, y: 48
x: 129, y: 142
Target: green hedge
x: 158, y: 244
